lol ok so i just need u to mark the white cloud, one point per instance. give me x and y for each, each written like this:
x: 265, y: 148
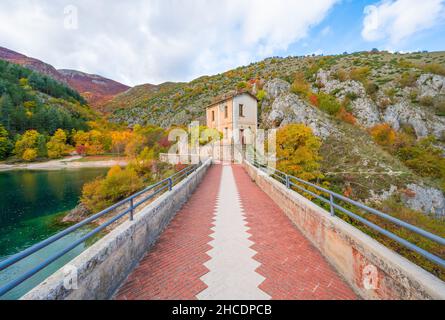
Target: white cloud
x: 397, y: 20
x: 153, y: 41
x: 326, y: 31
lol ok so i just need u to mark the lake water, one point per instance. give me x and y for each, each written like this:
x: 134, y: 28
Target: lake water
x: 30, y: 202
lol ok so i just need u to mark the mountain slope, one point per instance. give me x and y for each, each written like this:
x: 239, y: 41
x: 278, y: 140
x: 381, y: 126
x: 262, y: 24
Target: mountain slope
x: 341, y: 98
x: 95, y: 89
x: 139, y: 96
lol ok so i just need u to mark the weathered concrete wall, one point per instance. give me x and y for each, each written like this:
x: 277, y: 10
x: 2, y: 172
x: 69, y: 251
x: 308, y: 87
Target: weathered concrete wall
x: 372, y: 270
x: 106, y: 264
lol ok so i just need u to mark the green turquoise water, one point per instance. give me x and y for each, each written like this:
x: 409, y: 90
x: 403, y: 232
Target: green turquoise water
x: 30, y: 202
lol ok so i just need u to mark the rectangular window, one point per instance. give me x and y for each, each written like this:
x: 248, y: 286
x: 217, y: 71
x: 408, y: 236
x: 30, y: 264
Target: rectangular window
x: 226, y: 112
x: 241, y: 110
x: 213, y: 115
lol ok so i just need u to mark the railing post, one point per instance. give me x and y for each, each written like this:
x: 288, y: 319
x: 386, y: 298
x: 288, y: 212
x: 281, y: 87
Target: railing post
x: 331, y: 200
x: 131, y: 210
x: 170, y: 184
x: 287, y: 181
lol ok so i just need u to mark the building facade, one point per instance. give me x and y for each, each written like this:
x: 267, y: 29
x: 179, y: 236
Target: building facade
x: 236, y: 117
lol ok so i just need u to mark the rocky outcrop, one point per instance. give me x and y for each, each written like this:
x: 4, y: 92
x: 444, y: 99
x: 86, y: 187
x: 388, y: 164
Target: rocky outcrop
x: 78, y: 214
x: 289, y: 108
x: 426, y: 199
x: 431, y: 85
x: 366, y: 112
x: 424, y: 124
x: 276, y: 87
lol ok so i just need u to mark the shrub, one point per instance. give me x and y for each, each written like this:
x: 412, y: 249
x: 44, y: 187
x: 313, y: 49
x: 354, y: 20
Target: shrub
x: 427, y: 101
x: 383, y: 134
x: 407, y: 79
x: 313, y: 99
x: 300, y: 86
x: 341, y: 75
x: 360, y: 74
x: 241, y: 85
x: 424, y: 158
x: 435, y: 68
x: 413, y: 95
x: 328, y: 103
x: 261, y: 94
x: 371, y: 88
x: 439, y: 105
x: 346, y: 116
x: 352, y: 96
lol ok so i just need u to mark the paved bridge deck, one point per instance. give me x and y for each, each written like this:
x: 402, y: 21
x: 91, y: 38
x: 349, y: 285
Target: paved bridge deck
x: 231, y: 241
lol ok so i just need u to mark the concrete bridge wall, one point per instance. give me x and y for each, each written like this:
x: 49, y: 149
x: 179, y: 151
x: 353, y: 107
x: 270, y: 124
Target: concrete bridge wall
x: 372, y: 270
x: 105, y: 265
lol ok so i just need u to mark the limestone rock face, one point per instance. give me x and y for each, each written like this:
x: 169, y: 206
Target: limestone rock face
x: 276, y: 87
x: 363, y: 108
x: 423, y: 123
x: 289, y: 108
x: 366, y: 112
x: 426, y: 199
x: 431, y: 85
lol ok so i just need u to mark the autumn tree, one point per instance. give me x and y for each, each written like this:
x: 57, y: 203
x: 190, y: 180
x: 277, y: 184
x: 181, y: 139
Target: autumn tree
x: 119, y: 140
x: 30, y: 145
x: 57, y: 146
x: 298, y: 152
x: 117, y: 185
x: 93, y: 142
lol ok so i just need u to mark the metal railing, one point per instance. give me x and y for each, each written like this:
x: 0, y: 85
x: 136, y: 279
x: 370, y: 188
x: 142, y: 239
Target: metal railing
x: 155, y: 189
x: 294, y: 182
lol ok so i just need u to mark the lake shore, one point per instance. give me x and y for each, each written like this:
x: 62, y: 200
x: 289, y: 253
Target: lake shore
x: 72, y: 162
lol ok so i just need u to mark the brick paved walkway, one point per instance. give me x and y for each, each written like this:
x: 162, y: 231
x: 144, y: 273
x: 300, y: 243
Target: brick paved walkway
x: 187, y: 263
x: 293, y: 268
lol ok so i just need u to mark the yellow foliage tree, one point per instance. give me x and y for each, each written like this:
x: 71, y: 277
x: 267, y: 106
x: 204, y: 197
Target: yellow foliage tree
x: 117, y: 185
x: 298, y: 152
x: 26, y: 145
x: 29, y: 154
x: 119, y: 140
x: 57, y: 146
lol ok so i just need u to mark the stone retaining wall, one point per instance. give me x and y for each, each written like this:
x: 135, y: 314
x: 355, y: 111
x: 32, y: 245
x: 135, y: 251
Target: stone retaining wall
x: 105, y: 265
x: 372, y: 270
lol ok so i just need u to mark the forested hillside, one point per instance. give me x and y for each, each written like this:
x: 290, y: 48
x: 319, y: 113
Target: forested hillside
x: 29, y: 100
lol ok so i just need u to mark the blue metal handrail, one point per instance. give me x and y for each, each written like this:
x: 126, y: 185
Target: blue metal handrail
x: 290, y: 181
x: 157, y: 188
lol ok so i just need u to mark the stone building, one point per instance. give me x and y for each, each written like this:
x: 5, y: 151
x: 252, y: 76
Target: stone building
x: 236, y: 116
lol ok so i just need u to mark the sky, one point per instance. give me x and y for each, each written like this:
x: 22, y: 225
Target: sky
x: 153, y: 41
